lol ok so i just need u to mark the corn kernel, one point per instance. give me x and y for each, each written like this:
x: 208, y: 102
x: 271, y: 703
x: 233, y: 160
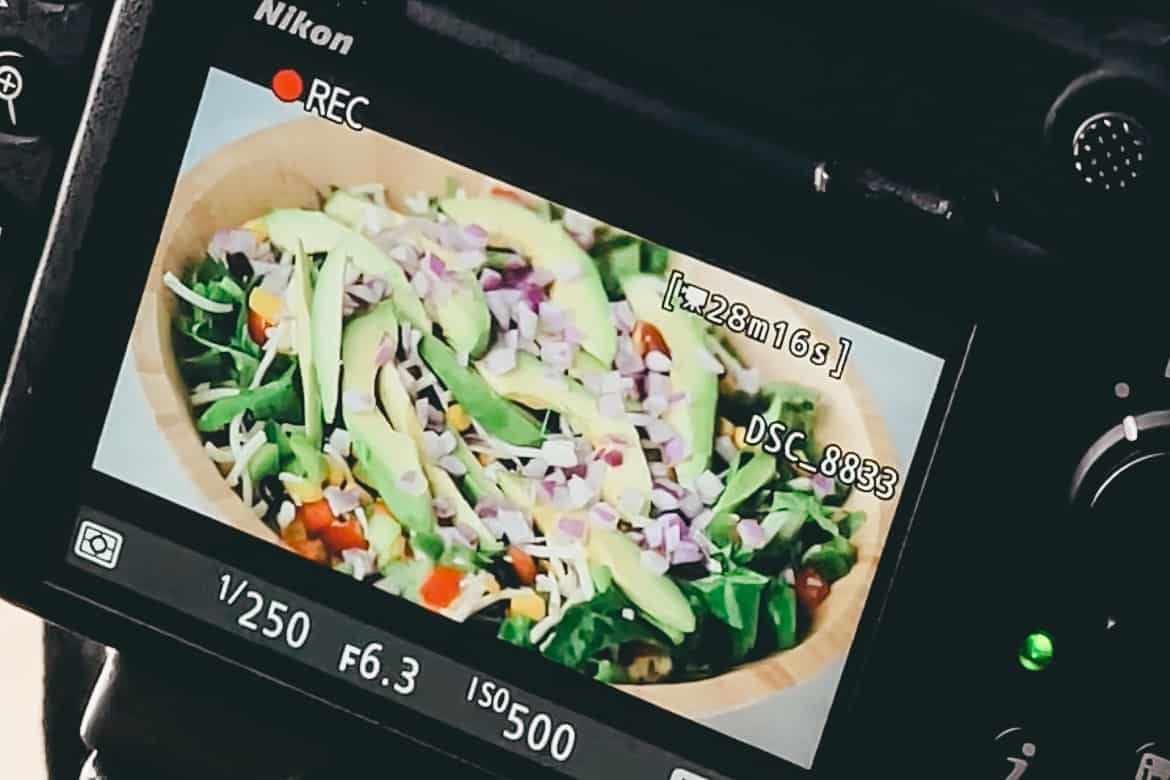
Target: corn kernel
x: 259, y: 228
x: 336, y: 471
x: 490, y: 583
x: 726, y: 427
x: 739, y: 437
x: 529, y: 605
x: 484, y: 459
x: 398, y: 549
x: 265, y: 304
x: 302, y: 491
x: 457, y: 418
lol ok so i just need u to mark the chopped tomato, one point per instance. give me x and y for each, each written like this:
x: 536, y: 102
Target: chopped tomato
x: 523, y: 564
x: 811, y: 588
x: 501, y: 192
x: 256, y: 327
x: 345, y: 535
x: 294, y: 532
x: 647, y: 339
x: 313, y: 549
x: 441, y: 587
x: 316, y: 516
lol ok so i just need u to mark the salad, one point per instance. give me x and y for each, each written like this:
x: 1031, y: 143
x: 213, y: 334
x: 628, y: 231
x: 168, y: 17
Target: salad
x: 479, y: 404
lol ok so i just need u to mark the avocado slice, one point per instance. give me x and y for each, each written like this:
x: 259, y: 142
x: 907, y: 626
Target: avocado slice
x: 326, y: 329
x: 351, y: 210
x: 529, y: 384
x: 400, y: 410
x: 745, y: 482
x: 475, y: 481
x: 498, y: 416
x: 385, y: 455
x: 464, y: 318
x: 547, y: 246
x: 684, y: 334
x: 300, y: 297
x: 316, y: 232
x: 655, y: 594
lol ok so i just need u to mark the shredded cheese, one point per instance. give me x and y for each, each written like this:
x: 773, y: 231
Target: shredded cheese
x: 271, y: 347
x: 217, y: 454
x: 194, y: 298
x: 211, y: 395
x: 247, y: 452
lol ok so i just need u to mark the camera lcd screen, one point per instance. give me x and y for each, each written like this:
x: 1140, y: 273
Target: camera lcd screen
x: 562, y: 434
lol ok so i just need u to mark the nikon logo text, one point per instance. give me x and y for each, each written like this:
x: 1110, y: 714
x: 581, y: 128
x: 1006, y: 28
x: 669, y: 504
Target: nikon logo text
x: 295, y: 21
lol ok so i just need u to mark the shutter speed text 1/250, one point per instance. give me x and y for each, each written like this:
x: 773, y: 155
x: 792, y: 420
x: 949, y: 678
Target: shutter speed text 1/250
x: 737, y: 317
x: 846, y: 467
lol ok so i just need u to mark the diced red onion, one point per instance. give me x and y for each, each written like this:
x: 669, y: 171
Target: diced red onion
x: 677, y: 398
x: 490, y: 279
x: 573, y: 335
x: 499, y: 360
x: 670, y: 486
x: 559, y: 452
x: 553, y: 318
x: 627, y: 361
x: 231, y: 242
x: 674, y: 451
x: 422, y: 410
x: 341, y: 501
x: 655, y: 534
x: 595, y: 474
x: 659, y: 432
x: 452, y: 465
x: 686, y: 551
x: 535, y: 468
x: 515, y: 526
x: 657, y: 361
x: 443, y: 507
x: 663, y: 500
x: 690, y: 504
x: 655, y: 562
x: 571, y: 526
x: 672, y: 535
x: 658, y: 385
x: 701, y: 521
x: 421, y: 284
x: 751, y: 534
x: 748, y: 380
x: 540, y: 277
x: 659, y: 469
x: 580, y: 492
x: 603, y: 514
x: 709, y: 487
x: 357, y: 401
x: 726, y: 448
x: 556, y: 354
x: 385, y: 351
x: 655, y: 405
x: 822, y: 485
x: 413, y: 482
x: 475, y: 235
x: 623, y: 316
x: 500, y: 304
x: 526, y: 320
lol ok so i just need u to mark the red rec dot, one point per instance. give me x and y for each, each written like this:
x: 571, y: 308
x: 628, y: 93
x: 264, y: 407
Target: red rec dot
x: 288, y: 85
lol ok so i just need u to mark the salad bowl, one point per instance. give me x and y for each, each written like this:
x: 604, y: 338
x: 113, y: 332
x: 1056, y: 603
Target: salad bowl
x: 296, y: 166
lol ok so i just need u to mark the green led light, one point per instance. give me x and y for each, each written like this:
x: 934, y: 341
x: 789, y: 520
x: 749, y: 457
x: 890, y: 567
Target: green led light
x: 1036, y: 651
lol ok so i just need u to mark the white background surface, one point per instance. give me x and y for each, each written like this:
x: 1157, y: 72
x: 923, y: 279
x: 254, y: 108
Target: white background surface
x: 901, y: 379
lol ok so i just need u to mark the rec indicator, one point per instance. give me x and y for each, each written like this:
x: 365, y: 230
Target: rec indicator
x: 328, y: 101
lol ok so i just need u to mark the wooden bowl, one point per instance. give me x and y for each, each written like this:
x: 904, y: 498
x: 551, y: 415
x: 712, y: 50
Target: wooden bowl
x: 291, y: 165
